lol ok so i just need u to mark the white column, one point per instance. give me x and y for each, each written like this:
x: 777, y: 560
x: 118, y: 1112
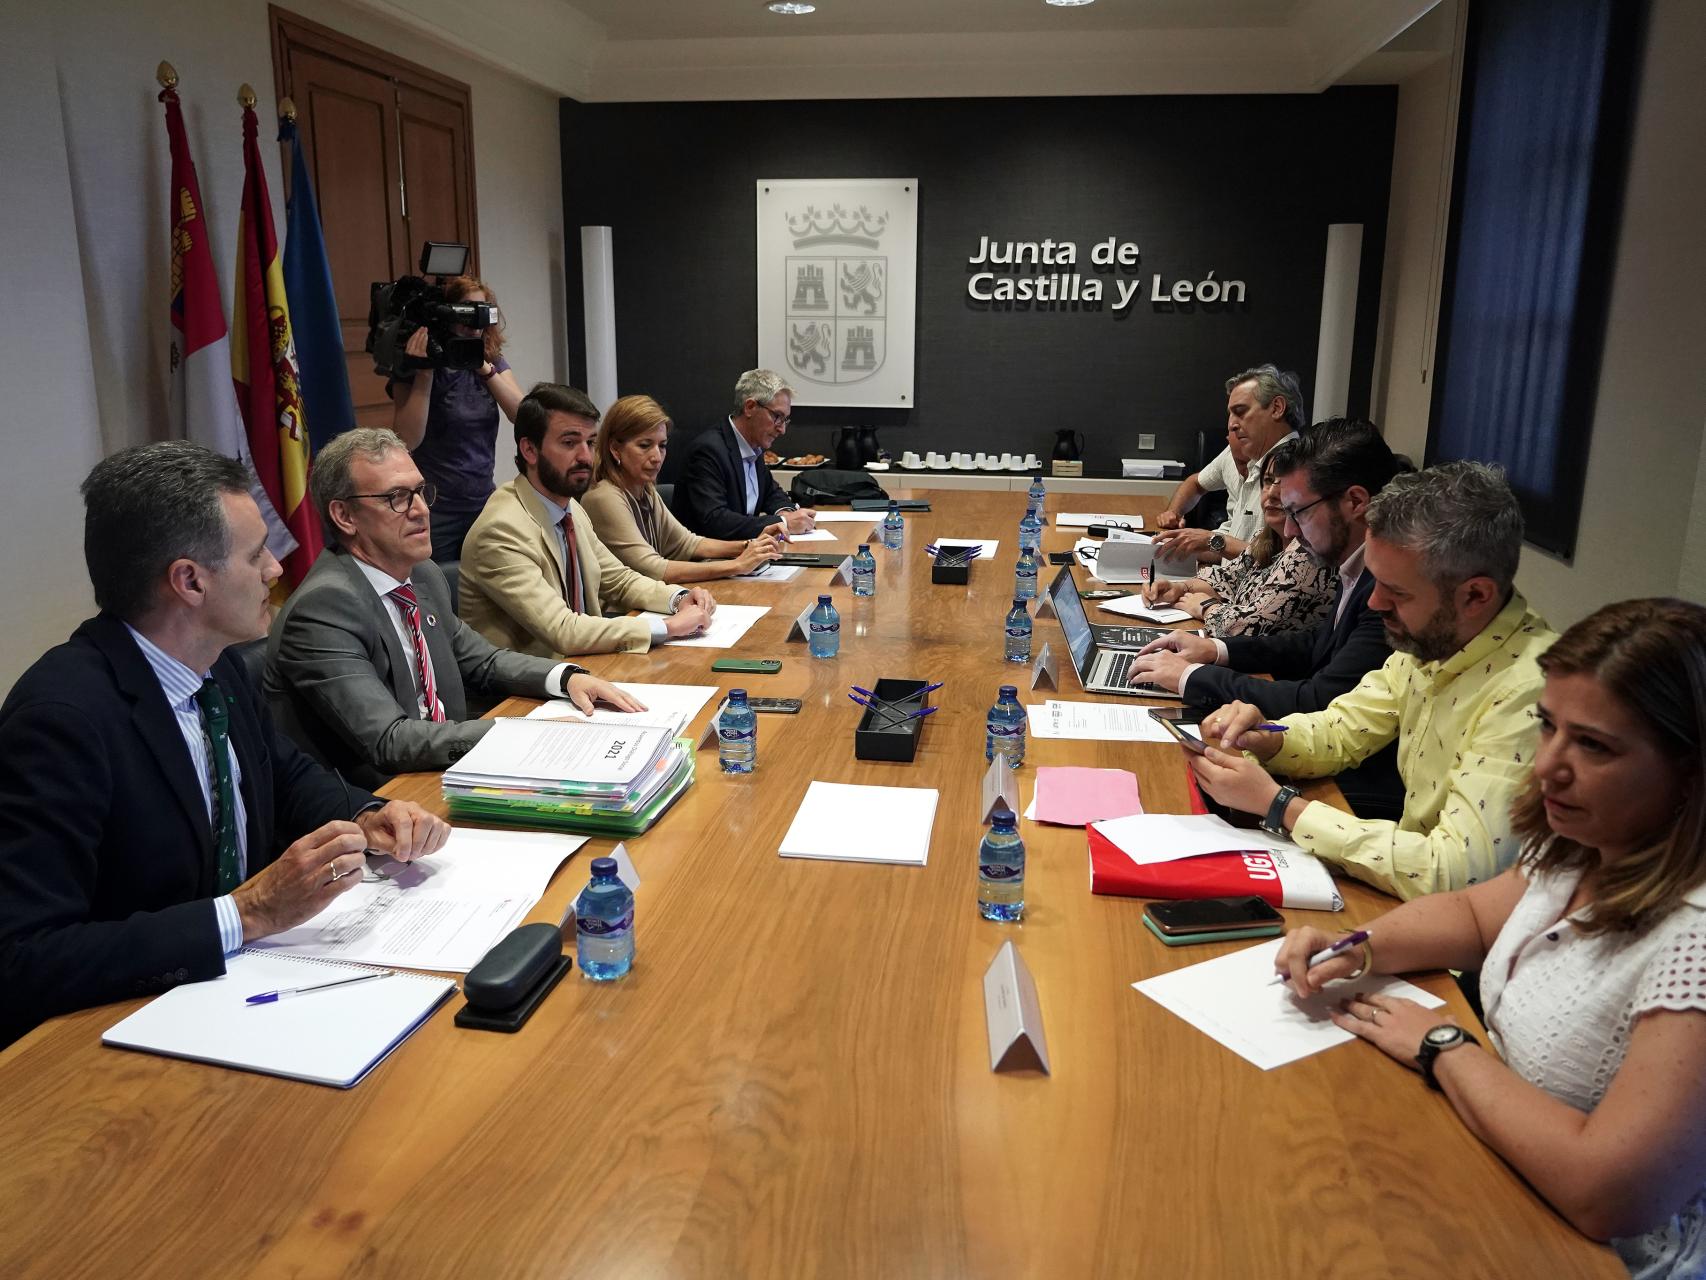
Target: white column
x: 598, y: 293
x: 1330, y: 393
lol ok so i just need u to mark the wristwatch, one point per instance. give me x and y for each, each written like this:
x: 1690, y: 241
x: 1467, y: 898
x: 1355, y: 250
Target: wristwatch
x: 1437, y: 1041
x: 1217, y: 542
x: 1274, y: 823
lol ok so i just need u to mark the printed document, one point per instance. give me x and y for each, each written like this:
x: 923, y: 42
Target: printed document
x: 1095, y: 721
x: 1084, y: 519
x: 518, y: 751
x: 728, y: 624
x: 671, y: 705
x: 1230, y: 999
x: 1138, y: 607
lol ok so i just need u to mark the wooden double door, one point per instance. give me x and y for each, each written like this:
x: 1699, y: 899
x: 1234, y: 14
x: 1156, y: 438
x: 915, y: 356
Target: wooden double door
x: 389, y: 147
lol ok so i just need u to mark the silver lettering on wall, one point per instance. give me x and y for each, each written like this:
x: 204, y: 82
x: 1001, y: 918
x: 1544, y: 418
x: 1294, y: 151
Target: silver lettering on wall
x: 1066, y: 287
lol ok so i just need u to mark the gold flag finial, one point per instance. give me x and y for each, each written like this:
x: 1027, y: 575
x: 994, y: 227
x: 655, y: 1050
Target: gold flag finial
x: 167, y: 75
x: 246, y: 97
x: 287, y: 109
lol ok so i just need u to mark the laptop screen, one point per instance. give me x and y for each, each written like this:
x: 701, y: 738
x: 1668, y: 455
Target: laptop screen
x: 1080, y: 640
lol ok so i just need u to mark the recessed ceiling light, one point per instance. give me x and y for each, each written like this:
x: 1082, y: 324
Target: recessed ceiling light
x: 793, y: 8
x: 1069, y: 4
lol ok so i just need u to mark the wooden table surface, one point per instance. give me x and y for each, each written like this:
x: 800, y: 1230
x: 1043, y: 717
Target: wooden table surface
x: 794, y: 1080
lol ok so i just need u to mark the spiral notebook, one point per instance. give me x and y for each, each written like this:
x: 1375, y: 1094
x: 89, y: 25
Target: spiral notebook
x: 325, y: 1037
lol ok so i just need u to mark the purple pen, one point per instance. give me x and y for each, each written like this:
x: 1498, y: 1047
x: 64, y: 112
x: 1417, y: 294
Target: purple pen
x: 1327, y: 953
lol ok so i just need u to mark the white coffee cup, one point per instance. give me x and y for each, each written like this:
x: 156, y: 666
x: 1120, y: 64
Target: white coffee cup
x: 934, y: 459
x: 910, y: 459
x: 1032, y: 462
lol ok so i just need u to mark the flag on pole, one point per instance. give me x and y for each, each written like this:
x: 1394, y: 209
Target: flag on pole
x: 313, y: 303
x: 201, y: 405
x: 263, y: 360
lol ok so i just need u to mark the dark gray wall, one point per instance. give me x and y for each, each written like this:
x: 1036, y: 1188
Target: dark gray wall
x: 1245, y: 186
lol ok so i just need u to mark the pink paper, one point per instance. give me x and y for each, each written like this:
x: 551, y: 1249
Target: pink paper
x: 1072, y: 796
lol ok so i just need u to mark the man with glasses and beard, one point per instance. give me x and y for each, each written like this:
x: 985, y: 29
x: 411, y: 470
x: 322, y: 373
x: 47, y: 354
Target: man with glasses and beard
x: 1326, y: 481
x: 1456, y: 698
x: 725, y: 490
x: 368, y: 664
x: 534, y: 576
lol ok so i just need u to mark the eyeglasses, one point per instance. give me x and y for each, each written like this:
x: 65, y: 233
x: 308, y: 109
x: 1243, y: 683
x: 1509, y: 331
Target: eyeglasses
x: 401, y: 500
x: 779, y: 419
x: 1296, y: 514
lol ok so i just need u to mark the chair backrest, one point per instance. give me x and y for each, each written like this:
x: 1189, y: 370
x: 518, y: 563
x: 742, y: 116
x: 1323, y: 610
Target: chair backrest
x: 254, y: 659
x: 667, y: 493
x: 453, y: 579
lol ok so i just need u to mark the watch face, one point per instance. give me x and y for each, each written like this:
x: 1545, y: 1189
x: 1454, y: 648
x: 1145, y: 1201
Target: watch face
x: 1440, y: 1037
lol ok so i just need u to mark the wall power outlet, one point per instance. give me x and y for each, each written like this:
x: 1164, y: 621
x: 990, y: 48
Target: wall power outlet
x: 1146, y: 442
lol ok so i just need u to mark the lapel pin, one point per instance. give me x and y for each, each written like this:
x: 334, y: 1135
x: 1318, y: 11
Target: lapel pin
x: 431, y: 621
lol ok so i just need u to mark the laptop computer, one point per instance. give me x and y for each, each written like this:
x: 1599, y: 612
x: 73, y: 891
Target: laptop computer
x: 1099, y: 669
x: 1109, y: 636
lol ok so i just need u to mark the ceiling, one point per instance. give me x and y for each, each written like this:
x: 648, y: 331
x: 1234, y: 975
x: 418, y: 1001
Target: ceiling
x: 720, y: 50
x: 697, y: 19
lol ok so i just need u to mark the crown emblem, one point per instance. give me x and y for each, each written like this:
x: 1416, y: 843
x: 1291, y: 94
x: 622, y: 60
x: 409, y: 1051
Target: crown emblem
x: 836, y: 225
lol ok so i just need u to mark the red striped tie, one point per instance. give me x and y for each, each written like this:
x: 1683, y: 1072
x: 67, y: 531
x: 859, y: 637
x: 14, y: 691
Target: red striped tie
x: 575, y: 595
x: 405, y: 596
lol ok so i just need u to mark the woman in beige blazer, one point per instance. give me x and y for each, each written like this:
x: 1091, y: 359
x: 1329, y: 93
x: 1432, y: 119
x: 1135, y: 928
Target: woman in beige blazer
x: 630, y: 516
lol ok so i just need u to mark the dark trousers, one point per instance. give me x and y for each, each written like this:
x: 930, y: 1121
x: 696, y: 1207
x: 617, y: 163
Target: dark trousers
x: 451, y: 520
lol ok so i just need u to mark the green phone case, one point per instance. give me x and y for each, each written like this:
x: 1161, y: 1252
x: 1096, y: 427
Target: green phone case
x: 748, y: 666
x: 1227, y: 935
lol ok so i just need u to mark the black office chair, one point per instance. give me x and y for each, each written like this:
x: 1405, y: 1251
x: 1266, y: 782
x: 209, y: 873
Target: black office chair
x: 453, y: 579
x: 254, y: 659
x: 667, y: 493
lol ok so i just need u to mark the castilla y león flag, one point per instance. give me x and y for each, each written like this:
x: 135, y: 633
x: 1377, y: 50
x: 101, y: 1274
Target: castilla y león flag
x: 201, y: 404
x: 263, y: 362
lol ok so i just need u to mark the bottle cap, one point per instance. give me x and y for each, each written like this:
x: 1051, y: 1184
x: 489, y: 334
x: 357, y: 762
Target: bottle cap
x: 604, y: 866
x: 737, y: 695
x: 864, y: 547
x: 823, y: 599
x: 1009, y: 691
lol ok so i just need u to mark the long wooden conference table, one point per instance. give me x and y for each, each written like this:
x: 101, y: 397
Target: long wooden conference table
x: 794, y: 1080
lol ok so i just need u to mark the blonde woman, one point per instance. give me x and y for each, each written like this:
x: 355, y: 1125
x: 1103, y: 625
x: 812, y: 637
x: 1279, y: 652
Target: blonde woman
x: 630, y: 517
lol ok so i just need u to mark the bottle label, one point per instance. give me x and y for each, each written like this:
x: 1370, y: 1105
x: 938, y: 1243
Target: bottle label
x: 600, y: 928
x: 736, y: 735
x: 823, y: 627
x: 1009, y: 731
x: 1018, y: 633
x: 1000, y: 870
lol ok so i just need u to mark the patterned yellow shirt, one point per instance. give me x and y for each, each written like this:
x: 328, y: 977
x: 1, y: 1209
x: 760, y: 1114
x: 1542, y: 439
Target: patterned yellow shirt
x: 1466, y: 740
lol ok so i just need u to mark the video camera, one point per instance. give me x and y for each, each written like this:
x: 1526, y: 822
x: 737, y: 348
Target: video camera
x: 398, y: 307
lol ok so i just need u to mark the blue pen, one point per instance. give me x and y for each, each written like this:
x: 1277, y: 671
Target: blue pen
x: 272, y: 997
x: 1271, y: 728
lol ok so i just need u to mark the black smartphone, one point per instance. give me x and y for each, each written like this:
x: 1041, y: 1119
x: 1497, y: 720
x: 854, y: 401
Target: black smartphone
x: 750, y: 666
x: 1062, y: 557
x: 782, y: 706
x: 1189, y: 734
x: 1184, y: 715
x: 1102, y: 593
x: 1212, y: 915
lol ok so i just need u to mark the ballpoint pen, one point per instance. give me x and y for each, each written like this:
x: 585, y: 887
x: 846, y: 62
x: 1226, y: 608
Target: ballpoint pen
x: 1327, y: 953
x: 273, y: 997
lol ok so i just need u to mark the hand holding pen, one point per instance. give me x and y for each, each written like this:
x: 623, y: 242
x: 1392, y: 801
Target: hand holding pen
x: 1238, y: 726
x: 1303, y: 959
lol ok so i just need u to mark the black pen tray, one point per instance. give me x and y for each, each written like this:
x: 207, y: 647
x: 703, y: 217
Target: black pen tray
x: 879, y: 736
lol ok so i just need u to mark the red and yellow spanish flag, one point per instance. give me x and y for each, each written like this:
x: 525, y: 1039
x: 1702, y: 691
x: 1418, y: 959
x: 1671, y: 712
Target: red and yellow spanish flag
x: 263, y: 361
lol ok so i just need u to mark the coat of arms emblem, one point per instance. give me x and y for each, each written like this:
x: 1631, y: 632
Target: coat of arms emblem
x: 836, y: 293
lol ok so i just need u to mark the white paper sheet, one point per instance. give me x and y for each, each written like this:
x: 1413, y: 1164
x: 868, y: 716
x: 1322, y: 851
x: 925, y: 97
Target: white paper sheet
x: 1138, y: 607
x: 441, y: 912
x: 848, y: 517
x: 1084, y: 519
x: 989, y: 545
x: 1231, y: 1000
x: 670, y: 705
x: 862, y: 824
x: 1094, y: 721
x: 1148, y: 838
x: 599, y: 754
x: 772, y: 573
x: 813, y: 535
x: 728, y: 624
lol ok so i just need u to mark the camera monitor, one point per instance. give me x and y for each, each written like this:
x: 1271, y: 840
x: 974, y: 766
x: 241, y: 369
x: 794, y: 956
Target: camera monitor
x: 440, y: 258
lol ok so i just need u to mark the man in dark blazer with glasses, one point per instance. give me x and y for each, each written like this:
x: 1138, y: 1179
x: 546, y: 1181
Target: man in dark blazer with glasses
x: 724, y: 489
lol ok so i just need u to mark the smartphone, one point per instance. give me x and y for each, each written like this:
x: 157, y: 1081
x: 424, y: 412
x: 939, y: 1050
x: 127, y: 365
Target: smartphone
x: 752, y: 666
x: 1199, y: 918
x: 1062, y: 557
x: 782, y: 706
x: 1102, y: 593
x: 1184, y: 715
x: 1189, y: 735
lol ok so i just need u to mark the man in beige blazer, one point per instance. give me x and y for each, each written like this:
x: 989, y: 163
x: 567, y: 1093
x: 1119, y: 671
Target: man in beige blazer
x: 535, y: 578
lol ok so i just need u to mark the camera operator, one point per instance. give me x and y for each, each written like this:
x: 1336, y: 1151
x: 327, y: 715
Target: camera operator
x: 449, y: 420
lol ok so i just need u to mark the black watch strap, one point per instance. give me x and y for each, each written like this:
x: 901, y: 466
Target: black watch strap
x: 1429, y: 1051
x: 1274, y: 823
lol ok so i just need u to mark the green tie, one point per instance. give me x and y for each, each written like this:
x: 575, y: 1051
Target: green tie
x: 216, y: 718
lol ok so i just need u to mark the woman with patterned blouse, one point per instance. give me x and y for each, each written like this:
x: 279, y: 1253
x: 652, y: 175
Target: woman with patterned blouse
x: 1263, y: 590
x: 630, y: 515
x: 1591, y: 949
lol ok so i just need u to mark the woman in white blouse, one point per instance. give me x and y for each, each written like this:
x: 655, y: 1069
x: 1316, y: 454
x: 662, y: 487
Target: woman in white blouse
x: 1592, y: 949
x: 630, y: 516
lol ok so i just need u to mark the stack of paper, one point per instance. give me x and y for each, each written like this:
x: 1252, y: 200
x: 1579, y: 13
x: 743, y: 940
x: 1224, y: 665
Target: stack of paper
x: 570, y: 776
x: 1084, y: 519
x: 862, y: 824
x: 671, y: 706
x: 1140, y: 608
x: 1072, y: 796
x: 1147, y: 468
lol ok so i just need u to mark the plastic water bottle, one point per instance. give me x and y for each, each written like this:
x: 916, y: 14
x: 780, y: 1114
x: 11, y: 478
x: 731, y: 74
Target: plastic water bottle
x: 1017, y: 632
x: 1004, y: 731
x: 1030, y: 531
x: 1001, y: 870
x: 604, y: 925
x: 737, y: 734
x: 1036, y: 493
x: 894, y: 529
x: 1025, y: 576
x: 864, y: 571
x: 825, y: 624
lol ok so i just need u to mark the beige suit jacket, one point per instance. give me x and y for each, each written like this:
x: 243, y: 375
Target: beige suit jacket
x: 512, y: 583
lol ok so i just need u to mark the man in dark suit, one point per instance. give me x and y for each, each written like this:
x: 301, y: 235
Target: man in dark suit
x: 1327, y: 479
x: 723, y: 489
x: 367, y: 662
x: 151, y: 819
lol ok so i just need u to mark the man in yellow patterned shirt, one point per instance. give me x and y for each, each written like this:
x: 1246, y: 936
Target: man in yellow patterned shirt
x: 1458, y: 694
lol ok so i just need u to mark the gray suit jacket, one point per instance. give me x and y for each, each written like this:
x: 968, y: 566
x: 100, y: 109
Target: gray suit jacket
x: 342, y: 686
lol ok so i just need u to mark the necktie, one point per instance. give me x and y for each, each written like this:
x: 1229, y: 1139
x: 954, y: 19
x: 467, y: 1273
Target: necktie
x: 575, y: 594
x: 405, y: 596
x: 216, y: 718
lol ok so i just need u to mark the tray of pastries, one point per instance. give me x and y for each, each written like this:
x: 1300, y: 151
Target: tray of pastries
x: 804, y: 460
